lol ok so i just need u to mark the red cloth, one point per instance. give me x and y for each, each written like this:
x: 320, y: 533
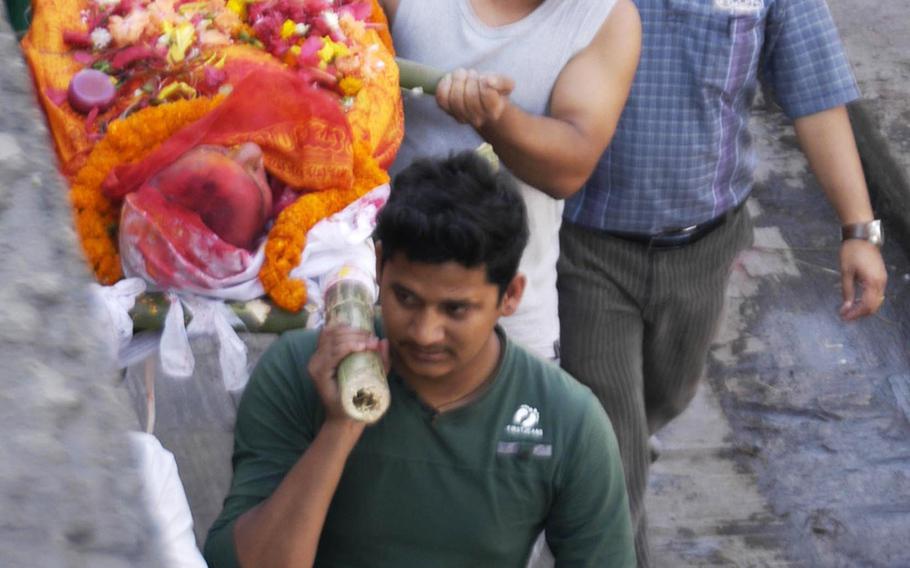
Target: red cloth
x: 304, y: 135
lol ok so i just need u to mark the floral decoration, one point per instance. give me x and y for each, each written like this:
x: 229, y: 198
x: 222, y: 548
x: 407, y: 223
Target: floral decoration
x: 172, y: 62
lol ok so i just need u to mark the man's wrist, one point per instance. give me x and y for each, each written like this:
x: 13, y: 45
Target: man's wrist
x: 870, y: 231
x: 344, y: 430
x: 498, y: 128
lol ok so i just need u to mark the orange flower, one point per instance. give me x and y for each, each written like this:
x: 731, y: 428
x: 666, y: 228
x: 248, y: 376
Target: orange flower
x: 350, y: 86
x: 288, y: 236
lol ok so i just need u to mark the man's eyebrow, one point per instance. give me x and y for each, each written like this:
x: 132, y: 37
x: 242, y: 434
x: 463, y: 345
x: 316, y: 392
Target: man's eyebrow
x: 452, y: 302
x: 460, y: 302
x: 402, y: 288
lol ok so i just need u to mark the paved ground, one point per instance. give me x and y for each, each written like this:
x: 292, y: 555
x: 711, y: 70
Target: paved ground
x: 795, y: 452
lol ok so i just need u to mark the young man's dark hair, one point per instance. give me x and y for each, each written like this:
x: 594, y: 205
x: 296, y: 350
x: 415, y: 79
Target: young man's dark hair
x: 456, y: 209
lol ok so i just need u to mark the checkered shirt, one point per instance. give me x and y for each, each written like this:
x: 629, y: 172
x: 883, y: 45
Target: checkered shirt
x: 682, y: 153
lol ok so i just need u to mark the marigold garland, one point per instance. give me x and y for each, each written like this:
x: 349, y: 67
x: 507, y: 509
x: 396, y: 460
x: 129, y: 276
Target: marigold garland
x: 288, y: 235
x: 127, y: 140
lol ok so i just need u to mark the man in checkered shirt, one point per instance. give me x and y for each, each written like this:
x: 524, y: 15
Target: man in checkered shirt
x: 647, y: 244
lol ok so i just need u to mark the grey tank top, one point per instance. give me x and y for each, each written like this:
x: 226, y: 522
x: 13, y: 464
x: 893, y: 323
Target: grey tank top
x: 447, y: 34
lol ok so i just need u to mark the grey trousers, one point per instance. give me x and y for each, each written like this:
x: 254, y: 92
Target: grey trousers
x: 636, y: 325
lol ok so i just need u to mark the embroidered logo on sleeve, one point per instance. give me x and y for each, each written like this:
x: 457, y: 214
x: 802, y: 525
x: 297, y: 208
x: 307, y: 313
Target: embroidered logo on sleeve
x: 739, y: 7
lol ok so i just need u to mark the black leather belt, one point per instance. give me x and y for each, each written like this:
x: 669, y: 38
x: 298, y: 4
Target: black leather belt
x: 676, y: 238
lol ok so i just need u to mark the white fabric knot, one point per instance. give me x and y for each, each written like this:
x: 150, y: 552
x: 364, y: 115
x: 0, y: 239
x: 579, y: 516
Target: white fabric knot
x: 343, y: 239
x: 210, y: 317
x: 113, y: 303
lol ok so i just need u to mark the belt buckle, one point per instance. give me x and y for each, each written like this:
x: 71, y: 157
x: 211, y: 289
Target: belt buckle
x: 674, y: 239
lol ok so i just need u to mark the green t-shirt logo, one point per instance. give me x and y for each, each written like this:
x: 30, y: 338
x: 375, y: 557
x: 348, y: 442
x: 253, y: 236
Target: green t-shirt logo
x: 524, y: 422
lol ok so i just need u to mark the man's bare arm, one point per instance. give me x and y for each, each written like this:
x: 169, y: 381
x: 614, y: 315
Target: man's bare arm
x: 555, y: 153
x: 827, y: 140
x: 284, y: 529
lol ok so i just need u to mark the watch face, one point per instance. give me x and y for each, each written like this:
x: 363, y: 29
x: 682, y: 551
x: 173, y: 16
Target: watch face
x: 876, y: 235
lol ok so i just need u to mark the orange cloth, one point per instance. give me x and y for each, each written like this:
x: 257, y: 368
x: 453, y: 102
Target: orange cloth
x: 307, y: 140
x: 302, y: 131
x: 377, y: 116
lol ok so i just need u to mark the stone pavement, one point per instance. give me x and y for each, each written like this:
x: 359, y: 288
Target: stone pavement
x: 795, y: 451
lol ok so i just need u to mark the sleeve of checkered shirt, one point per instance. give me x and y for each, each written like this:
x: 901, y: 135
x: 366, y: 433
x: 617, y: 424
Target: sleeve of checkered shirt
x: 804, y: 59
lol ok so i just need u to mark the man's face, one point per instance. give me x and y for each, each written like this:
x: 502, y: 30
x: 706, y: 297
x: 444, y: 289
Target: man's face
x: 439, y: 318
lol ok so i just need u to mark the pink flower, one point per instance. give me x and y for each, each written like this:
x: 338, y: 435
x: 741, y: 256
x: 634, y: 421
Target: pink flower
x: 226, y: 21
x: 309, y: 51
x: 358, y: 10
x: 213, y: 77
x: 75, y: 38
x: 213, y: 37
x: 132, y: 54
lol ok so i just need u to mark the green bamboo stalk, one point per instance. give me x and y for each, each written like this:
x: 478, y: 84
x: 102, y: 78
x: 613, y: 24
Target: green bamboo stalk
x: 256, y: 316
x: 417, y: 76
x: 362, y: 382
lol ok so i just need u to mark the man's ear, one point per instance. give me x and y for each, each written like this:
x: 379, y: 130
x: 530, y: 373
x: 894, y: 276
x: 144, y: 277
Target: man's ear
x: 512, y: 296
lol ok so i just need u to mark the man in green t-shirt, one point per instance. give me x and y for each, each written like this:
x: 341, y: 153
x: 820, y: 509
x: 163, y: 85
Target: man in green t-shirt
x: 483, y: 445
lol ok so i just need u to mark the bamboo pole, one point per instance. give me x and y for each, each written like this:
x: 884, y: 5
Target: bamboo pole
x: 418, y: 77
x: 256, y: 316
x: 362, y: 382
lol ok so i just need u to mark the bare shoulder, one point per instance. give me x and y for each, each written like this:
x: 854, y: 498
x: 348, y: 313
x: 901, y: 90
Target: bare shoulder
x: 616, y: 46
x: 623, y: 25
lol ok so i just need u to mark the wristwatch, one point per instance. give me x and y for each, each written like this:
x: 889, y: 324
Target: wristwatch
x: 871, y: 231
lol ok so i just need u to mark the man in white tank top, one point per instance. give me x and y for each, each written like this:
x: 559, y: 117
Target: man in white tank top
x: 544, y: 82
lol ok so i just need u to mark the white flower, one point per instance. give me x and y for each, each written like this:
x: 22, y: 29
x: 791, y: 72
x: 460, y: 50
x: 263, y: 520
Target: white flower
x: 101, y: 38
x: 331, y: 20
x: 301, y: 29
x: 107, y: 3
